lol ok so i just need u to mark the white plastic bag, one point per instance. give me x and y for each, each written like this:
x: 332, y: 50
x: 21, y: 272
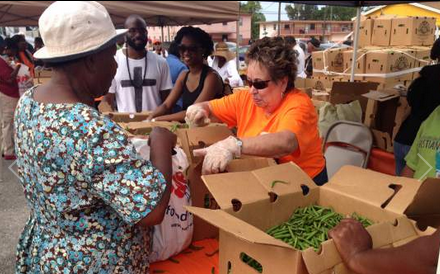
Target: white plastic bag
x: 174, y: 234
x: 24, y: 79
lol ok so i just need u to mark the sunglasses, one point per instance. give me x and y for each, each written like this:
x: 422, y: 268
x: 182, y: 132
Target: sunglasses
x: 258, y: 84
x: 192, y: 48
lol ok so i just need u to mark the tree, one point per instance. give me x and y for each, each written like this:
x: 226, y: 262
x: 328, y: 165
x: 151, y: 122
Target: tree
x: 254, y: 8
x: 312, y: 12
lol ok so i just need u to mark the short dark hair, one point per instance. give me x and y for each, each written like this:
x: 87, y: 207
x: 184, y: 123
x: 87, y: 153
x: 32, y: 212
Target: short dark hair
x: 38, y: 39
x: 435, y: 51
x: 10, y: 43
x: 277, y: 56
x: 290, y: 40
x: 200, y: 36
x: 174, y: 49
x: 315, y: 42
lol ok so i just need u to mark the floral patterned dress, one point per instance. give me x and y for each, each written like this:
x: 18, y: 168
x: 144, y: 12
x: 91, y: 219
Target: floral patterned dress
x: 86, y: 187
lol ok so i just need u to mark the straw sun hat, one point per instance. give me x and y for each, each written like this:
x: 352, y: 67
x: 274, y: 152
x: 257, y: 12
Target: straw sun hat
x: 74, y: 29
x: 221, y: 49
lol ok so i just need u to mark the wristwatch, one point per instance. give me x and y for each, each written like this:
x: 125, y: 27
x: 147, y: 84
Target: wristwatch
x: 240, y: 145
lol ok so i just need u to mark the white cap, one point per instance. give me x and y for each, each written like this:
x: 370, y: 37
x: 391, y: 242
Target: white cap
x: 73, y: 29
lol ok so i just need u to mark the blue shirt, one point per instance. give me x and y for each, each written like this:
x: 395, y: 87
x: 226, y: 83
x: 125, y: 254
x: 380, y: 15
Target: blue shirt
x: 176, y: 67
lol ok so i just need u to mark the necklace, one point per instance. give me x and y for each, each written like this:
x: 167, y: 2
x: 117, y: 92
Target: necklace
x: 136, y: 85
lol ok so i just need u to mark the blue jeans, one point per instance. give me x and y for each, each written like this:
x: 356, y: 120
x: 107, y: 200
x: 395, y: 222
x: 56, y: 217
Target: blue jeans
x: 321, y: 178
x: 400, y: 152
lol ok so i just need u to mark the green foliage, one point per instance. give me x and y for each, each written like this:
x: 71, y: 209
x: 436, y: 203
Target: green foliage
x: 312, y: 12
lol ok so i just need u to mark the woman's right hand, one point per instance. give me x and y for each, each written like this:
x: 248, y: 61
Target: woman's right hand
x: 162, y: 136
x: 196, y: 116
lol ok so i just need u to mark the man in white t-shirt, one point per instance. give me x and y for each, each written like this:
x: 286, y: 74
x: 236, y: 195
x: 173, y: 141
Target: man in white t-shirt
x: 142, y: 81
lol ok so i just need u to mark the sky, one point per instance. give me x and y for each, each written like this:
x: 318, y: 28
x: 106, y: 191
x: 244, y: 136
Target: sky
x: 270, y: 10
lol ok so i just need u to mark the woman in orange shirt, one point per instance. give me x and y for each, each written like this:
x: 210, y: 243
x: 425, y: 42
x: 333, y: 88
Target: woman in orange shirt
x: 273, y: 118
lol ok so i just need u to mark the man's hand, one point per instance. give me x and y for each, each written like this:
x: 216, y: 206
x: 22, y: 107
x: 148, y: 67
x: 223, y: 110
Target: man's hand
x: 196, y: 116
x: 350, y: 238
x: 218, y: 156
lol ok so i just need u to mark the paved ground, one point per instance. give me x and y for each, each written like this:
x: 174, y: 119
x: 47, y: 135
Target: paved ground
x: 13, y: 216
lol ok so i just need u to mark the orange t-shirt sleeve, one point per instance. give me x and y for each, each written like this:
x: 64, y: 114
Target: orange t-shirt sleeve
x: 226, y: 108
x: 298, y: 120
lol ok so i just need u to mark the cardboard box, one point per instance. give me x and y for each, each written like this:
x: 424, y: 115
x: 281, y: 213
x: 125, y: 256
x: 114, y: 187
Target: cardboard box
x: 201, y: 137
x: 385, y: 113
x: 319, y: 63
x: 201, y: 196
x: 346, y: 92
x: 422, y: 58
x: 125, y: 117
x: 388, y: 61
x: 324, y: 83
x: 381, y: 31
x: 246, y: 213
x: 413, y: 31
x: 330, y: 60
x: 360, y: 63
x: 365, y: 32
x: 145, y: 128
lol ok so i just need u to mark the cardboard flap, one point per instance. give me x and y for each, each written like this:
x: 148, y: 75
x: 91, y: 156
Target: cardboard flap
x: 290, y: 177
x: 240, y: 186
x: 235, y: 226
x: 206, y: 136
x: 381, y: 96
x: 394, y: 193
x: 253, y: 186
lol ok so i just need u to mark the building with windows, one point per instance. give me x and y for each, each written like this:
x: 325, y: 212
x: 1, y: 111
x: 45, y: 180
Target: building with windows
x: 219, y: 31
x: 325, y: 31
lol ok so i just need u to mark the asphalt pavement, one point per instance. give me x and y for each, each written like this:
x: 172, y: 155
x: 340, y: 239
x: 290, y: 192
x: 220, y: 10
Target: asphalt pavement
x: 13, y: 216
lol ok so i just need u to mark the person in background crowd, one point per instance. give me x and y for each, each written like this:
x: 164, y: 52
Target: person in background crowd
x: 38, y: 43
x: 157, y: 46
x: 301, y: 57
x: 24, y: 55
x: 2, y: 45
x: 273, y: 118
x: 355, y: 247
x: 225, y: 65
x: 423, y: 97
x: 93, y: 200
x: 312, y: 45
x: 142, y: 81
x: 8, y: 96
x: 201, y: 83
x: 176, y: 67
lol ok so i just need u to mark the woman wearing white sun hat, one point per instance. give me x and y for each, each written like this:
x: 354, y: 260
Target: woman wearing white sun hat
x: 92, y: 199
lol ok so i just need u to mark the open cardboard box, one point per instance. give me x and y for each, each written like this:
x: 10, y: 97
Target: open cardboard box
x: 385, y: 113
x: 346, y: 92
x: 194, y: 138
x: 125, y: 117
x: 249, y: 206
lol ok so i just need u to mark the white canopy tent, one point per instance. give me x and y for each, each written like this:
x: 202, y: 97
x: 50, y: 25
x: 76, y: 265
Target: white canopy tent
x: 155, y: 13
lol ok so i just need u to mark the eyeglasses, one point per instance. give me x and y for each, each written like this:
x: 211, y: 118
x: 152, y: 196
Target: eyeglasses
x: 258, y: 84
x: 191, y: 48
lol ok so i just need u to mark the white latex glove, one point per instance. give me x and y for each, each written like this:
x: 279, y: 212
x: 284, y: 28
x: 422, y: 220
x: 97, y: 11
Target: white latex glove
x: 218, y: 156
x: 196, y: 116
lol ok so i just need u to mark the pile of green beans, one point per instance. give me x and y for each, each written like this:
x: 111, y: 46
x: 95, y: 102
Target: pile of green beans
x: 309, y: 226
